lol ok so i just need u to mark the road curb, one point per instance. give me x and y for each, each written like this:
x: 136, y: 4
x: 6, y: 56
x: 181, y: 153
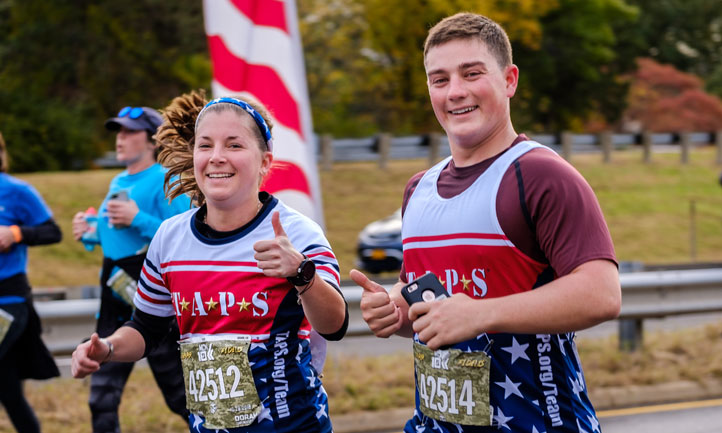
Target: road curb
x: 393, y: 420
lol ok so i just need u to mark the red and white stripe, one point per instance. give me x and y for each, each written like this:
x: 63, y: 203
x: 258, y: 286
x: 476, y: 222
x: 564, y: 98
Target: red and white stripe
x: 210, y: 266
x: 255, y: 50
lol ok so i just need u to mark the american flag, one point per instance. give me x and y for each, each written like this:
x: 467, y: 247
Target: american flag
x: 255, y: 50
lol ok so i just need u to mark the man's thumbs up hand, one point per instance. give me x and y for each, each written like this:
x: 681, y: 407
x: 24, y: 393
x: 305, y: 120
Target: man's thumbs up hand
x: 377, y: 309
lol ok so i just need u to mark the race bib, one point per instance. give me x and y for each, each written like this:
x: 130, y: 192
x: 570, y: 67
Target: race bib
x: 6, y: 319
x: 453, y: 386
x: 218, y: 380
x: 123, y: 285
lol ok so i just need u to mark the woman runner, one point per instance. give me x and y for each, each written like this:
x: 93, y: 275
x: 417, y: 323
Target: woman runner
x: 245, y: 276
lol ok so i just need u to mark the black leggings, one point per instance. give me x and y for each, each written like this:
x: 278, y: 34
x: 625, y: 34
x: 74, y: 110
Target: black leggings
x: 11, y: 387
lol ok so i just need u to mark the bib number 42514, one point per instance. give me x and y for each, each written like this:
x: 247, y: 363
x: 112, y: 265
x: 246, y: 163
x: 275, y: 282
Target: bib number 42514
x: 452, y: 385
x: 444, y: 395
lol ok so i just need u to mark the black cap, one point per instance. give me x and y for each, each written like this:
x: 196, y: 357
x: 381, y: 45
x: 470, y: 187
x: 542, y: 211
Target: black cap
x: 149, y: 120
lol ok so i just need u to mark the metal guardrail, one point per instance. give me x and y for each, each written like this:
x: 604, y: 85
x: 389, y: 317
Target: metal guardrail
x: 420, y: 146
x: 649, y: 295
x: 67, y: 323
x: 410, y: 147
x: 645, y: 295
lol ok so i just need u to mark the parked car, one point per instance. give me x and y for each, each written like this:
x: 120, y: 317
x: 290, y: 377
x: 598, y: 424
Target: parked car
x: 379, y: 245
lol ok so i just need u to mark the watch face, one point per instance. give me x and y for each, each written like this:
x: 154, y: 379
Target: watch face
x: 307, y: 270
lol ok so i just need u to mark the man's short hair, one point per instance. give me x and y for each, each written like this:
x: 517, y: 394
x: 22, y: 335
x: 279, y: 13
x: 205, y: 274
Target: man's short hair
x: 467, y: 25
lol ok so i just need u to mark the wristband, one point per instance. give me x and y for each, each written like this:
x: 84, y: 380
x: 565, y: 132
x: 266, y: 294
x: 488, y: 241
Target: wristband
x: 305, y: 289
x: 110, y: 350
x: 17, y: 234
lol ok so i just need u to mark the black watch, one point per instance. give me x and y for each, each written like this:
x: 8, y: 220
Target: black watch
x: 304, y: 274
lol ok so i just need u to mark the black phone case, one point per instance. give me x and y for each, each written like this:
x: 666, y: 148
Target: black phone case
x: 426, y: 288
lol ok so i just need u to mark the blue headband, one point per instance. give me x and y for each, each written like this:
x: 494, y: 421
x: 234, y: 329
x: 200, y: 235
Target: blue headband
x: 265, y: 131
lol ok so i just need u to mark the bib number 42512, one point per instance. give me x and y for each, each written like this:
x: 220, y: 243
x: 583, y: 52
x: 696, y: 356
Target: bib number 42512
x: 219, y: 380
x: 209, y: 384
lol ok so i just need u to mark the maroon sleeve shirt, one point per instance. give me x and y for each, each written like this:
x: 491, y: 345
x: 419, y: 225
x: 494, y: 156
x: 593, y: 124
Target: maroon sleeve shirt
x: 545, y: 207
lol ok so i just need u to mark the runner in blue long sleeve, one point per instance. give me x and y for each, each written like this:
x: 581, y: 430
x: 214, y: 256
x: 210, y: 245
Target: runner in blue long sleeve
x: 25, y: 220
x: 129, y: 216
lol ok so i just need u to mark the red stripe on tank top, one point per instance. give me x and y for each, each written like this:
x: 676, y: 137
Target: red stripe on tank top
x: 455, y: 236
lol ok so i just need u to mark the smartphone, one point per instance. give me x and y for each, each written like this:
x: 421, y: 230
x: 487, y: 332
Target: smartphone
x: 426, y: 288
x: 119, y: 195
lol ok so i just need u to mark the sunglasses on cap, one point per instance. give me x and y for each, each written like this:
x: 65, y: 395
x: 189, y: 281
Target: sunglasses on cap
x: 132, y: 112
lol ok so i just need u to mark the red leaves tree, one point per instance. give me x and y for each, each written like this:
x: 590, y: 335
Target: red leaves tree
x: 664, y: 99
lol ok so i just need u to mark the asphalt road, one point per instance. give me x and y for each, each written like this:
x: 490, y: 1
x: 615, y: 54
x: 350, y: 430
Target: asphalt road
x: 693, y: 417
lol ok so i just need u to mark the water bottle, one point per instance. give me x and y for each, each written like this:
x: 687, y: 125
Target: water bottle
x: 90, y: 237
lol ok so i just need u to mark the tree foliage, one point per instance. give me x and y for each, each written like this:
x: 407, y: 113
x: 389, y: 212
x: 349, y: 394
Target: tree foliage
x: 574, y: 73
x: 364, y: 60
x: 67, y: 66
x: 664, y: 99
x: 684, y: 33
x: 338, y: 72
x: 566, y: 49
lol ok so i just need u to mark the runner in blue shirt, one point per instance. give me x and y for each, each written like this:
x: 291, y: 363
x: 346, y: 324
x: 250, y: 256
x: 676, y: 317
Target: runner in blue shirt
x: 25, y: 220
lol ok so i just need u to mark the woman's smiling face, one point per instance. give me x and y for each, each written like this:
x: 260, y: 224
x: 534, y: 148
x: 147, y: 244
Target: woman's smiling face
x: 228, y: 162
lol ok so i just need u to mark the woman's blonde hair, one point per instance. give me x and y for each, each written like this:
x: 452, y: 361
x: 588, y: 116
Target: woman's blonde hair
x: 176, y: 140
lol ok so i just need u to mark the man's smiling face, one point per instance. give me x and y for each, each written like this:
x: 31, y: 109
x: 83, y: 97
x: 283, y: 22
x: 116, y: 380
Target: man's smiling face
x: 469, y: 91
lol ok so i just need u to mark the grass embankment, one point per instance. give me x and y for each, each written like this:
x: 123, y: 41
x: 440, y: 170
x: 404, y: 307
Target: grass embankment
x: 647, y: 209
